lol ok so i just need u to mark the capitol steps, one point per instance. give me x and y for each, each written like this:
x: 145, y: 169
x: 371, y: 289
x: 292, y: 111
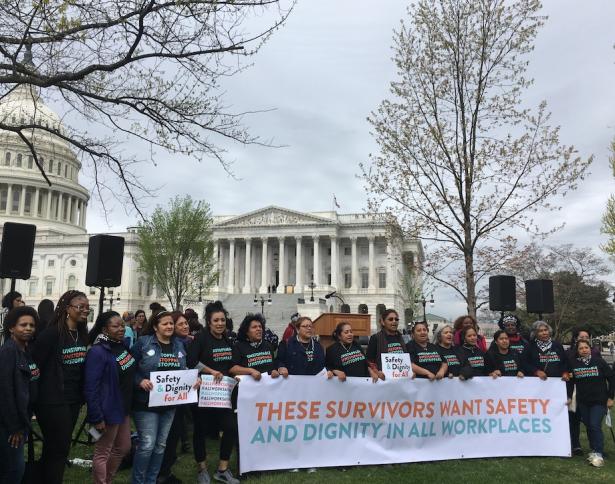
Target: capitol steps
x: 277, y: 314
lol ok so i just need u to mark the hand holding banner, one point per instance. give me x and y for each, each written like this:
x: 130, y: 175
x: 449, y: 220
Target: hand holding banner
x: 173, y: 387
x: 216, y: 394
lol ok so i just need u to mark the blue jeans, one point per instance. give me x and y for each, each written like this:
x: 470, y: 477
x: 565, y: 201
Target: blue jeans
x: 12, y: 463
x: 153, y: 429
x: 591, y: 416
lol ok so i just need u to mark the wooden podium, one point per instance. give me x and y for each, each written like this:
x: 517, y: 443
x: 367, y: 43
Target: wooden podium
x: 325, y: 324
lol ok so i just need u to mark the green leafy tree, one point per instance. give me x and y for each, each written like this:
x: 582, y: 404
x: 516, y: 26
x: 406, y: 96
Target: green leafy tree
x: 608, y: 219
x: 462, y: 164
x: 176, y: 249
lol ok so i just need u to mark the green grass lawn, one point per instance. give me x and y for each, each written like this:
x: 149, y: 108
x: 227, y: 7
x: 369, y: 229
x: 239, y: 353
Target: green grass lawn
x: 504, y: 470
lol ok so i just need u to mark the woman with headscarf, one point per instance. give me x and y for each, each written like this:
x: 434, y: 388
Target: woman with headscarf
x: 443, y: 339
x: 387, y: 340
x: 59, y: 351
x: 545, y: 356
x: 511, y: 324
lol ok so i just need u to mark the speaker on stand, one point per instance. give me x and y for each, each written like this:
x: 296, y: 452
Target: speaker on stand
x: 17, y: 251
x: 105, y: 260
x: 502, y: 294
x: 539, y: 296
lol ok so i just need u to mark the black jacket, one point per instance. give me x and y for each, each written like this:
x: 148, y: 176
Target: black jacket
x: 472, y: 362
x: 595, y: 381
x: 553, y: 362
x: 15, y: 396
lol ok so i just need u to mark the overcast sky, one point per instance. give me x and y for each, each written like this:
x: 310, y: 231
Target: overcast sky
x: 330, y: 65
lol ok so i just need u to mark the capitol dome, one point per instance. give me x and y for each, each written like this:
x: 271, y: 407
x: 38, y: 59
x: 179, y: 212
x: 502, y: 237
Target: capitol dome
x: 25, y: 196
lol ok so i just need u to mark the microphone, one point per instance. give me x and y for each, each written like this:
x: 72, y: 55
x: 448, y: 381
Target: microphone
x: 327, y: 296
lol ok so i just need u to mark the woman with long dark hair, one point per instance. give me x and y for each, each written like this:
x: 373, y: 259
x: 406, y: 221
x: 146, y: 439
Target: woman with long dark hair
x: 108, y: 389
x: 211, y: 353
x: 18, y: 378
x: 501, y: 359
x: 387, y: 340
x: 473, y: 357
x: 59, y: 351
x: 425, y: 358
x: 464, y: 322
x: 345, y: 357
x: 45, y: 310
x: 140, y: 320
x: 157, y: 350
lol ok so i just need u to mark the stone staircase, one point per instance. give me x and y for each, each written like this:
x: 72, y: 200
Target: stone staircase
x: 277, y: 313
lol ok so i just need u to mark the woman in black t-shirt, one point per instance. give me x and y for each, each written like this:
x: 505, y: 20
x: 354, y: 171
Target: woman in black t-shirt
x: 425, y: 359
x: 211, y: 353
x: 443, y: 340
x: 473, y: 358
x: 501, y: 359
x: 387, y: 340
x: 345, y: 357
x: 252, y: 355
x: 59, y: 351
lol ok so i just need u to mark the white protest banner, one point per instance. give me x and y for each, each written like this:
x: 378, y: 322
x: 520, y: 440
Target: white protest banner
x: 173, y: 387
x: 396, y: 365
x: 216, y: 394
x: 312, y: 422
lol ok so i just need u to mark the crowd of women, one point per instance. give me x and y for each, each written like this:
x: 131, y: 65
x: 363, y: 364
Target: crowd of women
x: 52, y: 369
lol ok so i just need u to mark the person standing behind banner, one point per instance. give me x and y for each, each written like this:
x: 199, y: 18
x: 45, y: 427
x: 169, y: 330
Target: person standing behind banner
x: 211, y: 353
x: 595, y: 384
x: 387, y: 340
x: 501, y: 359
x: 301, y: 355
x: 140, y: 319
x: 157, y: 350
x: 512, y: 325
x: 425, y: 358
x: 545, y: 356
x: 178, y: 429
x: 345, y: 357
x: 443, y: 340
x: 59, y: 351
x: 472, y: 357
x: 467, y: 321
x: 108, y: 389
x: 251, y: 354
x: 18, y: 378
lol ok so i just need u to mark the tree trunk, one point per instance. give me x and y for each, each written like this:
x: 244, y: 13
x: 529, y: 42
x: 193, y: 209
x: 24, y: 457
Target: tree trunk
x: 470, y: 283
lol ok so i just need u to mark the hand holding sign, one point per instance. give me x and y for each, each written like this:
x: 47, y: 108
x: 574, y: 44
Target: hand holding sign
x: 173, y: 387
x: 216, y: 394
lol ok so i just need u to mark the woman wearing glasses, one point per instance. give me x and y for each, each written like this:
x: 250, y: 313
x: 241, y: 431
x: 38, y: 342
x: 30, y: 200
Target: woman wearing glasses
x: 387, y: 340
x: 301, y: 354
x: 59, y: 352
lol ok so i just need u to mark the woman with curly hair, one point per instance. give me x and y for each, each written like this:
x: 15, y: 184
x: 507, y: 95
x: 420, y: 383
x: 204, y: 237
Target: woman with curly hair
x: 59, y: 352
x: 464, y: 322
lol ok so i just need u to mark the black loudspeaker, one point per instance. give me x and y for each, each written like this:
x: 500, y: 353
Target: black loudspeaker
x: 345, y: 308
x: 17, y: 250
x: 105, y: 258
x: 539, y: 296
x: 502, y: 293
x: 363, y: 309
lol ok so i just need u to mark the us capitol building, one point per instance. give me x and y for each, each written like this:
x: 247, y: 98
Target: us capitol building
x: 292, y: 259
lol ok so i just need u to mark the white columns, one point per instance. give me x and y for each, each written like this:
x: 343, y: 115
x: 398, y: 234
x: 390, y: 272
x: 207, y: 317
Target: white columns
x: 299, y: 265
x: 389, y: 266
x: 60, y: 207
x: 247, y: 284
x: 334, y: 263
x: 317, y: 260
x: 49, y: 193
x: 69, y: 210
x: 354, y: 271
x: 34, y: 210
x: 9, y: 199
x: 215, y: 255
x: 264, y: 266
x: 22, y: 200
x: 372, y: 264
x: 282, y: 266
x: 85, y: 210
x: 231, y: 267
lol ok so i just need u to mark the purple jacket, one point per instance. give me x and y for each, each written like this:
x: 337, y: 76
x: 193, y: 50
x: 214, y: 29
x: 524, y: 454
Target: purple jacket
x: 102, y: 387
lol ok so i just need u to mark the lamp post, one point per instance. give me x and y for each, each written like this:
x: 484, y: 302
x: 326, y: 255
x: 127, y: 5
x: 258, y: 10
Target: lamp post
x: 311, y: 285
x: 261, y: 298
x: 424, y: 302
x: 111, y: 299
x: 200, y: 292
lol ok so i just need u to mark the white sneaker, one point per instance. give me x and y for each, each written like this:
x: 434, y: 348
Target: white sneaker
x: 597, y: 460
x: 590, y: 456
